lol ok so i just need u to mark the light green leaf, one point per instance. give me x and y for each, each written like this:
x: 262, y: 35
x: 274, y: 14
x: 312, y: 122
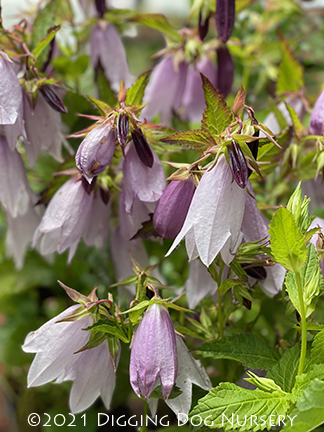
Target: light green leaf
x: 290, y: 77
x: 246, y: 348
x: 104, y: 108
x: 44, y: 42
x: 130, y: 280
x: 199, y: 140
x: 217, y: 115
x: 304, y: 380
x: 265, y: 384
x: 285, y: 371
x: 228, y: 284
x: 317, y: 352
x: 298, y: 127
x: 136, y: 92
x: 227, y: 403
x: 309, y: 412
x: 311, y: 279
x: 158, y: 22
x: 287, y: 242
x: 109, y: 326
x: 299, y: 208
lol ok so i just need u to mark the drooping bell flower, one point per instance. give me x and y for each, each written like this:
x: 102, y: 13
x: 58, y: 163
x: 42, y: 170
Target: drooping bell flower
x: 96, y: 151
x: 56, y: 345
x: 172, y: 208
x: 254, y: 228
x: 225, y: 71
x: 199, y: 284
x: 43, y: 129
x: 65, y: 219
x: 15, y: 192
x: 96, y: 232
x: 193, y: 99
x: 164, y: 92
x: 225, y: 18
x: 10, y: 92
x: 316, y: 126
x: 154, y: 358
x: 213, y: 223
x: 107, y: 49
x: 131, y: 222
x: 142, y: 181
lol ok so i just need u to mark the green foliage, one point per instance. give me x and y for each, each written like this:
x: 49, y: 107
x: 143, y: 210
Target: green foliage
x: 199, y: 140
x: 290, y: 77
x: 158, y: 22
x: 136, y: 92
x: 285, y: 371
x: 287, y: 242
x: 244, y: 347
x: 111, y: 327
x: 317, y: 353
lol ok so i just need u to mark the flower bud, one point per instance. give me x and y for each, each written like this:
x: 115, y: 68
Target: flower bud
x: 142, y: 148
x: 172, y: 208
x: 225, y: 75
x: 238, y: 164
x: 101, y: 7
x: 52, y: 98
x: 203, y: 27
x: 122, y: 128
x: 225, y: 17
x: 154, y: 353
x: 257, y: 272
x: 96, y: 151
x: 316, y: 126
x: 254, y: 147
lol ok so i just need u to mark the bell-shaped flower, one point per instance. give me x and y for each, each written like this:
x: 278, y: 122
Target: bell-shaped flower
x: 107, y: 49
x: 213, y: 223
x: 154, y: 359
x: 190, y: 372
x: 316, y: 126
x: 65, y: 219
x: 10, y: 92
x: 96, y: 232
x: 15, y: 192
x: 96, y: 151
x: 57, y: 345
x: 164, y: 92
x: 199, y: 284
x: 172, y: 208
x: 43, y: 129
x: 142, y: 181
x: 315, y: 191
x: 193, y: 99
x: 318, y: 240
x: 20, y: 234
x: 254, y: 228
x: 131, y: 222
x: 13, y: 131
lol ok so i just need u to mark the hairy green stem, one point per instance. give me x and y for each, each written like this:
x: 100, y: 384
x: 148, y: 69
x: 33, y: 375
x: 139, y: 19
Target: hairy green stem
x: 303, y: 325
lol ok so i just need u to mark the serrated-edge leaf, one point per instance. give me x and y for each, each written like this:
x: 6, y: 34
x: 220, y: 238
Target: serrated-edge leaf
x: 304, y: 380
x: 290, y: 77
x: 103, y: 107
x: 297, y: 124
x: 217, y: 115
x: 108, y: 327
x: 231, y: 401
x: 317, y: 352
x: 287, y: 242
x: 246, y: 348
x: 239, y: 101
x: 136, y: 92
x: 285, y: 371
x: 195, y: 139
x: 44, y: 42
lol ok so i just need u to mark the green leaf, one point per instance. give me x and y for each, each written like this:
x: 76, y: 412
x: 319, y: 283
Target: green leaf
x: 158, y: 22
x: 217, y: 115
x: 265, y: 384
x: 43, y: 22
x: 42, y: 44
x: 246, y: 348
x: 109, y: 326
x: 226, y: 404
x: 136, y: 92
x: 299, y: 208
x: 105, y: 92
x: 228, y: 284
x: 287, y: 242
x: 104, y: 108
x: 199, y: 140
x: 311, y: 279
x: 290, y: 77
x: 279, y: 116
x: 298, y: 127
x: 304, y: 380
x: 317, y: 352
x: 285, y: 371
x: 309, y: 412
x: 130, y: 280
x: 71, y: 68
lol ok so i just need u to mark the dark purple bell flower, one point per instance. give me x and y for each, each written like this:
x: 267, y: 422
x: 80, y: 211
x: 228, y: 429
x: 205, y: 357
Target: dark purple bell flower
x: 225, y: 75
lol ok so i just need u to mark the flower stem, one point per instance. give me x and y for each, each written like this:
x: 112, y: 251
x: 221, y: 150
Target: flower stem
x: 144, y: 428
x: 220, y: 316
x: 303, y: 325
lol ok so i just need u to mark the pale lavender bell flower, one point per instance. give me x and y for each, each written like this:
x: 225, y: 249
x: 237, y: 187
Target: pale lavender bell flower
x: 10, y: 92
x: 96, y: 151
x: 172, y: 208
x: 142, y: 181
x: 164, y: 92
x: 97, y: 229
x: 193, y: 99
x: 15, y: 192
x: 43, y: 129
x: 107, y: 49
x: 254, y: 228
x: 65, y: 220
x: 154, y: 359
x: 316, y: 126
x: 56, y: 345
x: 213, y: 223
x: 199, y: 284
